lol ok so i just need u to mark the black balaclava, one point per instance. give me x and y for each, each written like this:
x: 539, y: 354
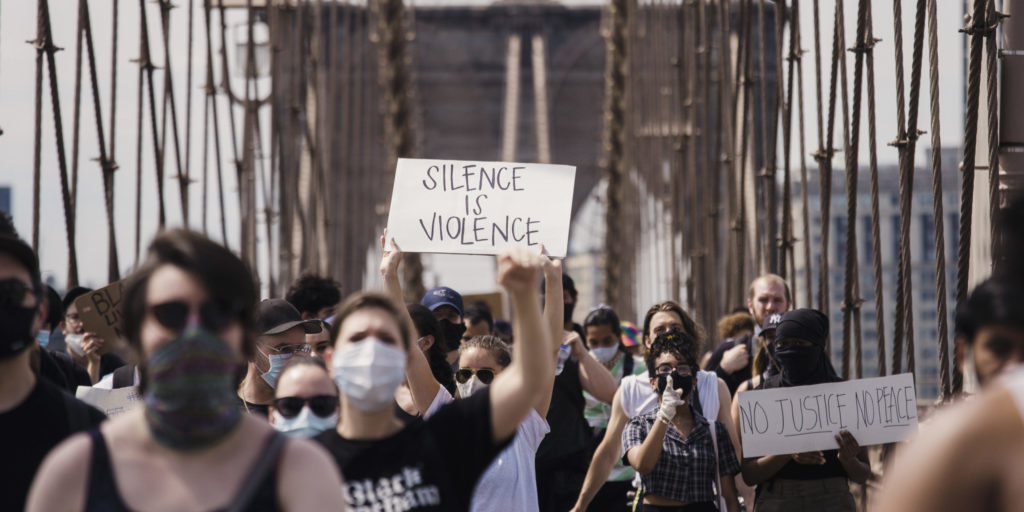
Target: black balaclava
x: 801, y: 366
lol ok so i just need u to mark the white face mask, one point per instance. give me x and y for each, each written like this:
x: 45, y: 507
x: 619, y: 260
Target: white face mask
x: 368, y: 372
x: 277, y: 362
x: 469, y: 387
x: 305, y: 424
x: 605, y: 354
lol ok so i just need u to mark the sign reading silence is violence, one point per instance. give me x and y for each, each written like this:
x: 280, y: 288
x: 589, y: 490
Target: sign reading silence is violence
x: 805, y: 418
x: 453, y: 206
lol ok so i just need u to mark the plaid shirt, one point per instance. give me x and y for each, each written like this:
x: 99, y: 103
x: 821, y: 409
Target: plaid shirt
x: 685, y: 471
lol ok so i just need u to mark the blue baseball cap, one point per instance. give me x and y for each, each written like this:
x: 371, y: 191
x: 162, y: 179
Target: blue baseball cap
x: 442, y: 296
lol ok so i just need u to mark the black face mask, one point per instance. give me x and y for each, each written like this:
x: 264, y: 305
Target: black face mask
x: 569, y: 308
x: 797, y: 362
x: 15, y: 329
x: 452, y: 334
x: 684, y: 382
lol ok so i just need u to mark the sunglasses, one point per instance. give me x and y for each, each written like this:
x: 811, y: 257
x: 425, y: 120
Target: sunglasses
x: 213, y: 316
x: 464, y: 374
x: 321, y: 405
x: 299, y: 348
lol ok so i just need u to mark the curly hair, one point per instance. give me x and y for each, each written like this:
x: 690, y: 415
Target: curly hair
x: 730, y: 326
x: 690, y: 326
x: 309, y: 294
x: 677, y: 343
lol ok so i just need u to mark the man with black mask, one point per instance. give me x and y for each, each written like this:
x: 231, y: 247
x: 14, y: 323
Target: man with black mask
x: 35, y: 415
x: 446, y: 304
x: 813, y: 480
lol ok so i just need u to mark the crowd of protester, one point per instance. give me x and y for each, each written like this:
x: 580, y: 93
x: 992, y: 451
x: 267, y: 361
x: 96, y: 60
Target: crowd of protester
x: 316, y: 401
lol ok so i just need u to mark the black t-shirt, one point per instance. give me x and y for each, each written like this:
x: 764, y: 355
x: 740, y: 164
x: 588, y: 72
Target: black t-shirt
x: 109, y: 363
x: 30, y: 430
x: 567, y: 443
x: 60, y: 369
x: 733, y: 380
x: 260, y: 410
x: 428, y: 465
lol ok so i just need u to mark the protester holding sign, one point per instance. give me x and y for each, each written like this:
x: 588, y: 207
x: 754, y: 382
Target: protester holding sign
x: 86, y: 348
x: 814, y: 480
x: 189, y: 314
x: 636, y: 397
x: 681, y: 458
x: 432, y: 464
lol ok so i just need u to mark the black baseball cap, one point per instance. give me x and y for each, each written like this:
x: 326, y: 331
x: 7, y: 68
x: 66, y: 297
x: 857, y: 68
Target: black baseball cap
x: 771, y: 322
x: 274, y: 316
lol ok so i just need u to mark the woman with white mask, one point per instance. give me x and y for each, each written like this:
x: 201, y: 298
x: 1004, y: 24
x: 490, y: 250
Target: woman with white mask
x: 305, y: 399
x: 432, y: 464
x: 188, y: 313
x: 604, y: 337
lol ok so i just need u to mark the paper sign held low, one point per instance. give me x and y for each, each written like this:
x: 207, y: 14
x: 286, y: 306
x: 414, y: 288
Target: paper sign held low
x: 806, y: 418
x: 101, y: 311
x: 111, y: 401
x: 461, y: 207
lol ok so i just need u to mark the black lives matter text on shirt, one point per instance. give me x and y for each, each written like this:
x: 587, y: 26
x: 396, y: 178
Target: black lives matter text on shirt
x: 429, y: 465
x: 476, y: 227
x: 30, y: 431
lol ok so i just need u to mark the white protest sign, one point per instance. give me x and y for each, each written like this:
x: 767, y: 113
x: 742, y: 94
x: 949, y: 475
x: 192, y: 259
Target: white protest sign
x: 805, y: 418
x: 459, y: 207
x: 111, y: 401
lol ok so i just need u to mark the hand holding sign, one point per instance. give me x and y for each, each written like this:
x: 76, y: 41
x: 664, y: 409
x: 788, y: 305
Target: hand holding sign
x: 452, y: 206
x: 100, y: 311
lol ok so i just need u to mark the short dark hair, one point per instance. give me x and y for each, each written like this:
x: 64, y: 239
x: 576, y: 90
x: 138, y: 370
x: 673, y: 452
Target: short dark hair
x: 603, y: 315
x: 311, y: 293
x: 679, y: 344
x: 226, y: 278
x: 480, y: 312
x: 427, y: 325
x: 492, y: 344
x: 72, y: 294
x: 996, y: 301
x: 56, y: 312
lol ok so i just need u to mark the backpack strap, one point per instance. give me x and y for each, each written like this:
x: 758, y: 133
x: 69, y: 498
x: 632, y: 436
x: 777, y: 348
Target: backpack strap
x: 627, y: 364
x: 266, y: 463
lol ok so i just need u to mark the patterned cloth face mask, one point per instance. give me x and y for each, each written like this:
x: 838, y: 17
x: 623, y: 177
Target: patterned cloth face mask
x: 190, y: 400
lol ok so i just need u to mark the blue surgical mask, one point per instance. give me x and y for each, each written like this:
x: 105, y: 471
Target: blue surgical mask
x: 43, y: 337
x: 605, y: 354
x: 305, y: 424
x: 277, y: 362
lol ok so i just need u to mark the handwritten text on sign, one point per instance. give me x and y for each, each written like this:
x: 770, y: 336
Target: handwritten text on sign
x: 480, y: 207
x: 112, y: 402
x: 101, y: 311
x: 805, y: 418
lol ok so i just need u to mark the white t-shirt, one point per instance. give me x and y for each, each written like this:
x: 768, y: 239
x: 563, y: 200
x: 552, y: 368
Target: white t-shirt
x: 510, y: 482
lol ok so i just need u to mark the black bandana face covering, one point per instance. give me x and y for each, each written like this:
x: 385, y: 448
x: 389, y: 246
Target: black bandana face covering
x: 190, y: 391
x: 452, y: 333
x: 15, y: 320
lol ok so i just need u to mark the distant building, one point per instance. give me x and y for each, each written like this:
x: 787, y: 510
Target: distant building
x: 922, y: 253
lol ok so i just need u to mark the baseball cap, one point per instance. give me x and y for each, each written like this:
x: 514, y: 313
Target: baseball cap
x: 771, y: 322
x: 274, y: 316
x: 442, y: 296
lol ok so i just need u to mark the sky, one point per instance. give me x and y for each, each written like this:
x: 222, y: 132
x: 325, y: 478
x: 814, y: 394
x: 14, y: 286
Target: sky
x: 17, y: 85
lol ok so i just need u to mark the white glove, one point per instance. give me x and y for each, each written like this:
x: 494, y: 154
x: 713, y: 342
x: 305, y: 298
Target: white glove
x: 670, y: 399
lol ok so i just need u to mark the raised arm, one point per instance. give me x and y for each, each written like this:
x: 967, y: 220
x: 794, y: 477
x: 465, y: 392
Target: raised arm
x: 605, y: 456
x: 594, y: 377
x: 553, y: 319
x: 514, y: 392
x: 422, y: 384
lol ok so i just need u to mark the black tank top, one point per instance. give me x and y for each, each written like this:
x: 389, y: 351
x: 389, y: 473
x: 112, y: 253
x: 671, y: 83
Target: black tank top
x: 102, y: 494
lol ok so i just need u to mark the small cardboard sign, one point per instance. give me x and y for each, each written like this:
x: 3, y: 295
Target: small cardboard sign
x: 101, y: 312
x: 111, y: 401
x: 460, y: 207
x: 806, y: 418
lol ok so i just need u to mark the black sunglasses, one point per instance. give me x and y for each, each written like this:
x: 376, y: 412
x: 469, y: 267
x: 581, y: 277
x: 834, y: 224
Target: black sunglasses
x: 464, y: 374
x: 321, y: 405
x: 213, y: 316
